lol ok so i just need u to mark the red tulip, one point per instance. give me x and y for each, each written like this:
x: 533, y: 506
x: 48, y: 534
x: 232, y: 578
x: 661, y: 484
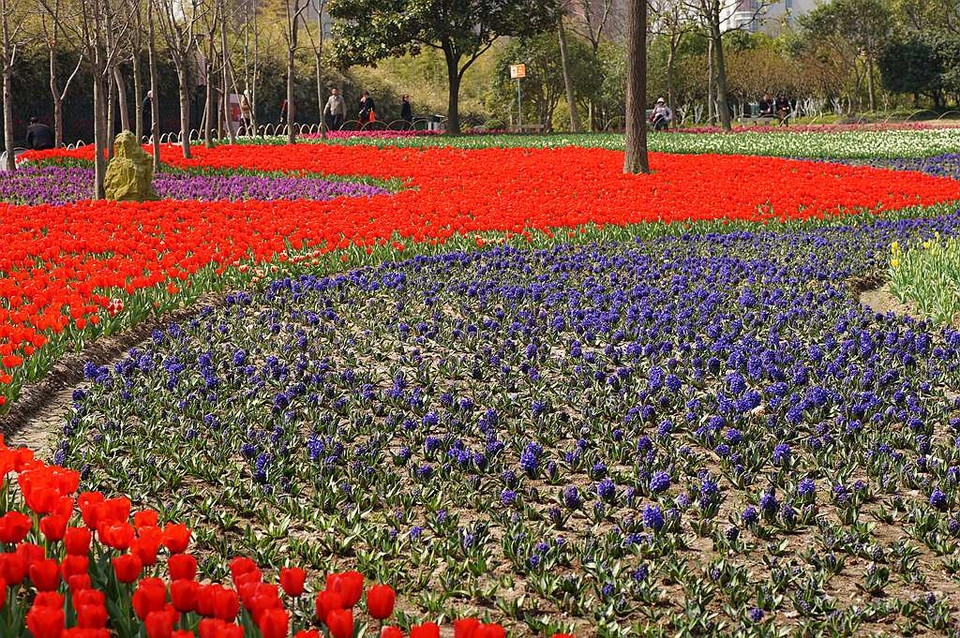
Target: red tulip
x: 91, y: 616
x: 326, y: 602
x: 127, y: 568
x: 176, y: 538
x: 380, y: 601
x: 465, y: 627
x: 45, y: 622
x: 274, y: 623
x: 77, y: 541
x: 73, y: 566
x: 53, y: 527
x: 45, y: 574
x: 226, y: 604
x: 292, y: 579
x: 150, y: 596
x: 14, y: 527
x: 492, y: 630
x: 426, y: 630
x: 182, y: 566
x: 146, y: 518
x: 340, y: 623
x: 147, y: 544
x: 48, y: 599
x: 13, y: 567
x: 159, y: 624
x: 117, y: 535
x: 242, y: 565
x: 349, y: 585
x: 184, y: 594
x: 390, y: 631
x: 78, y: 582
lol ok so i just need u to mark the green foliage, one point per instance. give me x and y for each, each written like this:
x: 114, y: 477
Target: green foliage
x: 910, y: 66
x: 928, y: 275
x: 865, y: 25
x: 543, y: 87
x: 367, y: 32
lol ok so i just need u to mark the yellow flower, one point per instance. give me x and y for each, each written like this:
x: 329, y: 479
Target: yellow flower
x: 895, y: 263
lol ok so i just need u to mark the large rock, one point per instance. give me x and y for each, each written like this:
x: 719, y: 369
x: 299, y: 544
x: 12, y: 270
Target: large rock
x: 130, y: 172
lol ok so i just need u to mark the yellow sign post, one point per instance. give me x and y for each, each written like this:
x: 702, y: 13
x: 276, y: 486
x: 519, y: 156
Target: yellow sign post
x: 517, y: 72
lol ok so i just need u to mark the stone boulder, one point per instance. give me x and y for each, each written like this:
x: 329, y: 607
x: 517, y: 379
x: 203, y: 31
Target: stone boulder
x: 130, y: 172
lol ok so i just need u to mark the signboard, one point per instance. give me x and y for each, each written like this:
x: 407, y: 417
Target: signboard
x: 518, y: 71
x: 234, y: 110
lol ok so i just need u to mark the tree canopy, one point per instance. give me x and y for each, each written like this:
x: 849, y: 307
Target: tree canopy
x: 367, y: 31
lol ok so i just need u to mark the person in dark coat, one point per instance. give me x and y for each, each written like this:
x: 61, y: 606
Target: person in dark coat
x: 146, y: 114
x: 367, y: 112
x: 406, y: 112
x: 39, y: 136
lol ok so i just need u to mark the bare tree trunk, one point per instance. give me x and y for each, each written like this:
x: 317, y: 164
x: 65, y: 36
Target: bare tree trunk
x: 155, y: 99
x: 635, y: 158
x: 709, y: 81
x: 567, y: 80
x: 55, y: 92
x: 671, y: 59
x: 100, y: 137
x: 8, y: 139
x: 870, y: 90
x: 722, y: 104
x: 209, y: 113
x: 294, y: 26
x: 122, y: 99
x: 137, y: 94
x: 184, y: 111
x: 226, y: 74
x: 110, y: 125
x: 9, y: 53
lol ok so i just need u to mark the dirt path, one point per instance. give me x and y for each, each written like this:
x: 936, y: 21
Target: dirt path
x: 37, y: 416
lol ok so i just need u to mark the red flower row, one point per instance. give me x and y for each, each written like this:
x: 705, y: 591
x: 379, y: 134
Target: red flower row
x: 60, y: 264
x: 99, y: 572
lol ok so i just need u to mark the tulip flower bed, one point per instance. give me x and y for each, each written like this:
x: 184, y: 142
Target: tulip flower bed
x: 68, y: 269
x: 81, y: 566
x: 60, y: 185
x: 819, y: 142
x: 692, y: 434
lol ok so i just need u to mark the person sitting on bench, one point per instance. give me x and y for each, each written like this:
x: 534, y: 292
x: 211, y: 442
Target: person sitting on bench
x: 784, y: 110
x: 766, y: 107
x: 661, y: 115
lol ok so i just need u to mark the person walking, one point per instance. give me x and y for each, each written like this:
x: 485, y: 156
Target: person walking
x: 39, y: 136
x: 146, y: 114
x: 335, y: 110
x: 406, y: 112
x: 367, y: 109
x: 246, y: 114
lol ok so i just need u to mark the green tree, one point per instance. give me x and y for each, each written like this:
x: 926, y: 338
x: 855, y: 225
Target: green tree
x: 911, y: 66
x: 543, y: 87
x: 366, y: 32
x: 858, y: 29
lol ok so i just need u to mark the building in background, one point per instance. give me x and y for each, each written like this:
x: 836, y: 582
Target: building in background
x: 756, y: 16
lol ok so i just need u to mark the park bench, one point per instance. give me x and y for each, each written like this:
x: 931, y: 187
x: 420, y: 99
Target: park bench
x: 754, y: 117
x: 3, y: 156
